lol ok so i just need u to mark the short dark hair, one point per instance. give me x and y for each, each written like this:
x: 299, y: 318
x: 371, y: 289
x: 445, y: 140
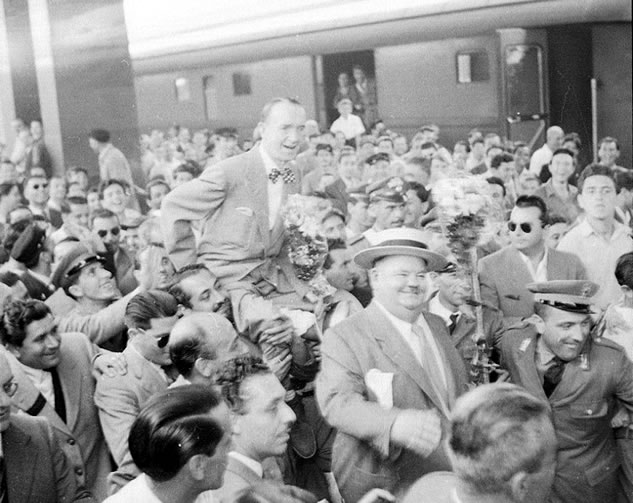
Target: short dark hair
x: 172, y: 427
x: 624, y: 270
x: 419, y: 189
x: 112, y: 181
x: 495, y: 180
x: 609, y: 139
x: 101, y: 135
x: 624, y: 180
x: 525, y: 201
x: 233, y: 373
x: 333, y: 244
x: 562, y: 150
x: 18, y: 315
x: 185, y: 272
x: 499, y: 159
x: 573, y: 137
x: 103, y: 214
x: 191, y: 167
x: 145, y: 306
x: 595, y: 169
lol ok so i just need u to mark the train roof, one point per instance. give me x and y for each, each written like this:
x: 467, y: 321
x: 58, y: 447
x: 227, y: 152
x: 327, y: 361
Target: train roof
x: 201, y: 32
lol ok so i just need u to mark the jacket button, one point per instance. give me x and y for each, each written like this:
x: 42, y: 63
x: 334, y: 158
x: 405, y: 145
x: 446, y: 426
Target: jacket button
x: 71, y: 441
x: 589, y: 412
x: 79, y: 471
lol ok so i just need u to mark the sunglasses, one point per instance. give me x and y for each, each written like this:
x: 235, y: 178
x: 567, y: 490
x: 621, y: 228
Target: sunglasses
x: 104, y: 232
x: 162, y: 342
x: 525, y: 227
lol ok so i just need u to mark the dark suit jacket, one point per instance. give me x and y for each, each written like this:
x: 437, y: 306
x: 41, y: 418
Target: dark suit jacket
x: 363, y: 457
x: 37, y: 470
x: 503, y: 277
x: 80, y: 436
x: 38, y: 155
x: 230, y: 199
x: 582, y: 406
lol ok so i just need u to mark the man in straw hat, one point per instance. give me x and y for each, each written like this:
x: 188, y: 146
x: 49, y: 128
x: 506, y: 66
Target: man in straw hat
x: 390, y: 374
x: 555, y: 358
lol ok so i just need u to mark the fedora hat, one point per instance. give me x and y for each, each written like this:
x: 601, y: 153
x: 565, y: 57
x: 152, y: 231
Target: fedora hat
x: 401, y: 241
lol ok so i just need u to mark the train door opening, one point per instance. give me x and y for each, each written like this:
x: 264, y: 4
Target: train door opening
x: 335, y: 85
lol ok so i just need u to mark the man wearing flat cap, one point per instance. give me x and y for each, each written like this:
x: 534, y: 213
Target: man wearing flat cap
x: 387, y: 207
x: 556, y: 358
x: 390, y: 374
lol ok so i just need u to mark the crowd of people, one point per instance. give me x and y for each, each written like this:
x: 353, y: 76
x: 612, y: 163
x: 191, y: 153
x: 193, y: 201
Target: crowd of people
x: 287, y: 319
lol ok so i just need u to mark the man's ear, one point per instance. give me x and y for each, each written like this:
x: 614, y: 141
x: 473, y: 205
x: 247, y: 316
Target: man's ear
x: 520, y: 485
x: 197, y: 466
x: 14, y: 350
x: 76, y: 291
x: 204, y: 367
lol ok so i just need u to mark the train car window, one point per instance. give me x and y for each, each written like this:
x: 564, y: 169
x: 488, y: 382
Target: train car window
x: 183, y: 91
x: 472, y: 66
x: 241, y: 84
x: 210, y: 98
x: 524, y: 79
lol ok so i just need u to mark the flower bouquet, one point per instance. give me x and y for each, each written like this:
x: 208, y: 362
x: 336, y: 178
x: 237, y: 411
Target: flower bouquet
x: 307, y: 249
x: 465, y: 213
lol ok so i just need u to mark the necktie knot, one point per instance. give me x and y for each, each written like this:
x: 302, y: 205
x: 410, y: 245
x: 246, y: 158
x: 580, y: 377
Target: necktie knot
x: 553, y: 375
x: 285, y: 174
x: 453, y: 322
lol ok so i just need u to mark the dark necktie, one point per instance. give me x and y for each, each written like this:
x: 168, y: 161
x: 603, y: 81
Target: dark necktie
x: 453, y: 324
x: 286, y: 175
x: 4, y: 493
x: 553, y: 375
x: 60, y: 404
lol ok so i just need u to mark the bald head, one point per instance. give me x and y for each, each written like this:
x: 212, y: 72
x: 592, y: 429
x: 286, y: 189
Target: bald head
x: 555, y: 136
x: 202, y: 336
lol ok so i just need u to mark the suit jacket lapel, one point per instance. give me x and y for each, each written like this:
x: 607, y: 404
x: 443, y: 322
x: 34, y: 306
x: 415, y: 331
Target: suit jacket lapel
x: 397, y: 350
x: 21, y: 459
x: 257, y: 182
x: 517, y: 271
x: 71, y: 380
x: 464, y: 328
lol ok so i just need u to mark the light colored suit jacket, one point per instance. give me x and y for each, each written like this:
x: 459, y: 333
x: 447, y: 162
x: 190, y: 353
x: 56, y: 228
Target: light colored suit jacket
x: 230, y: 199
x: 583, y: 405
x: 503, y: 277
x: 36, y: 469
x: 363, y: 457
x: 119, y: 400
x: 237, y: 477
x: 80, y: 436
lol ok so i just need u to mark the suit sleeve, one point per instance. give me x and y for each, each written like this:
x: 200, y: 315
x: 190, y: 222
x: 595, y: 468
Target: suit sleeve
x: 489, y: 293
x: 624, y: 385
x: 579, y: 269
x: 342, y: 396
x: 118, y: 408
x: 188, y: 203
x: 100, y: 326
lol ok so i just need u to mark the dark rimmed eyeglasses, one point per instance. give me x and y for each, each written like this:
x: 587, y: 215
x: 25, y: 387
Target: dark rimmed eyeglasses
x: 525, y: 227
x: 104, y: 232
x: 83, y: 263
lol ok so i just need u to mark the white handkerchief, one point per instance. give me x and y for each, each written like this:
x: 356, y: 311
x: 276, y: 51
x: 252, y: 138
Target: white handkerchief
x: 381, y: 385
x: 244, y: 210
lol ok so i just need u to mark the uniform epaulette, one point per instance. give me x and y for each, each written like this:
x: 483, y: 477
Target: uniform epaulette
x: 605, y: 341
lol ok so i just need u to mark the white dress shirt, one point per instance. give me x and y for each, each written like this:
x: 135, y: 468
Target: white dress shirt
x: 249, y: 462
x: 405, y: 329
x: 540, y: 273
x: 43, y: 381
x: 275, y: 190
x: 437, y: 308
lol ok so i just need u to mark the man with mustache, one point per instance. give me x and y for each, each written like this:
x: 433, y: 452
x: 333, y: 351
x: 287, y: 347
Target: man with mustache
x: 556, y: 359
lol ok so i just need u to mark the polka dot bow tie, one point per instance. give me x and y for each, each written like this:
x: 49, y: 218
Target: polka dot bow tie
x: 286, y: 175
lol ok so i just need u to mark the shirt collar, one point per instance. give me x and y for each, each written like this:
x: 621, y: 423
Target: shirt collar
x: 269, y: 164
x: 436, y: 307
x: 528, y: 262
x: 249, y: 462
x: 619, y: 229
x: 543, y: 353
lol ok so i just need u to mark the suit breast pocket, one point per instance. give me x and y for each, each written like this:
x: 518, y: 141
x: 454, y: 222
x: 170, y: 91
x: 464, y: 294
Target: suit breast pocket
x: 239, y: 228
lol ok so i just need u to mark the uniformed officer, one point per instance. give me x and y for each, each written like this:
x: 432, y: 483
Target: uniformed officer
x: 387, y: 205
x: 555, y: 357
